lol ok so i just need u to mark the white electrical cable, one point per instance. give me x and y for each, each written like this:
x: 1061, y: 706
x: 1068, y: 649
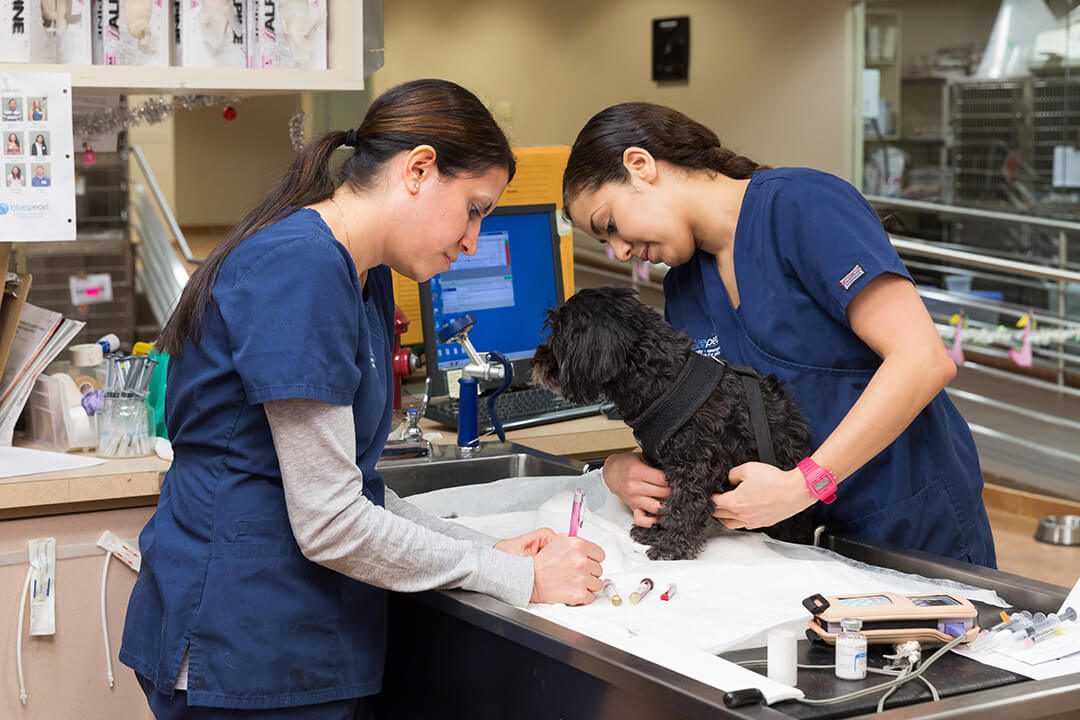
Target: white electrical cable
x: 891, y: 685
x: 23, y: 600
x: 105, y: 620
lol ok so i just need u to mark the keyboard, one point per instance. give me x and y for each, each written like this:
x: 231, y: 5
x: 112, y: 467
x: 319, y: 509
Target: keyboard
x: 516, y: 409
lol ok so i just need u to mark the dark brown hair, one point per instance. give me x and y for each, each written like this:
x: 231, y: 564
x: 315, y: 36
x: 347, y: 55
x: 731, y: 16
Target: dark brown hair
x: 467, y: 141
x: 597, y: 155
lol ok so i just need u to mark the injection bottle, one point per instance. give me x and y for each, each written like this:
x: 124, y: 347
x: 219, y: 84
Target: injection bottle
x: 851, y: 650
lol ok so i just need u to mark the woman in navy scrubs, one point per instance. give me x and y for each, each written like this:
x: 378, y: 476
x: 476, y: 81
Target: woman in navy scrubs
x: 789, y: 271
x: 265, y: 566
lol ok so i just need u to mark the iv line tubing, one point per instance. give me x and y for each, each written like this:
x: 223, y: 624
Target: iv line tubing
x: 105, y: 620
x: 24, y: 598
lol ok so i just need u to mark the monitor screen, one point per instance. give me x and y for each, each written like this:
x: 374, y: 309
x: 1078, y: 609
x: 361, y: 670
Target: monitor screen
x: 506, y: 286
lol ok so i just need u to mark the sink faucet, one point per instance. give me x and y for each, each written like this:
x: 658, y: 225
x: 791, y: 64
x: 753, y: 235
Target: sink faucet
x: 492, y: 366
x: 412, y: 443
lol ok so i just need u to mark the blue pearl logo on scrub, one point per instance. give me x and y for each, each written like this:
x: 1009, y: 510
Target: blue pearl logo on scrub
x: 709, y: 347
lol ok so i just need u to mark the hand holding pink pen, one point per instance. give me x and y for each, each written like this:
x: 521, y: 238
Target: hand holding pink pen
x: 575, y: 512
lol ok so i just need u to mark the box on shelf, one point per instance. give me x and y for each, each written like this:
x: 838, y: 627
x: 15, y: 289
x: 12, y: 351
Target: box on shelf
x: 14, y: 31
x: 291, y: 34
x: 35, y: 32
x: 212, y: 33
x: 132, y: 33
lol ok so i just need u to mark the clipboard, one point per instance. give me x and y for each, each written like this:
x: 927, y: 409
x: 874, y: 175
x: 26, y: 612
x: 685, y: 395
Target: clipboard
x: 13, y: 299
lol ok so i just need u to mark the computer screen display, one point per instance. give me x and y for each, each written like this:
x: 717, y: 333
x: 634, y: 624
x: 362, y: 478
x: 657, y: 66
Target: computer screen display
x: 506, y: 286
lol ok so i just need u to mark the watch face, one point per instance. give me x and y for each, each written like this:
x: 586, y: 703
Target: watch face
x: 821, y: 483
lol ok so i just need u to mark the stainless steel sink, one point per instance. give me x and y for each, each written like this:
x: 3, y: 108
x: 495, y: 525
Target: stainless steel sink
x: 495, y: 461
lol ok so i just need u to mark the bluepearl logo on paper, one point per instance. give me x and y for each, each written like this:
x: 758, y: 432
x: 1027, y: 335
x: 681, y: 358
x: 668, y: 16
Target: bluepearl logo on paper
x: 39, y: 209
x: 18, y: 23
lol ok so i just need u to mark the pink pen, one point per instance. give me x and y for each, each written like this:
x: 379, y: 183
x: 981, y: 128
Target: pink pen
x: 575, y: 512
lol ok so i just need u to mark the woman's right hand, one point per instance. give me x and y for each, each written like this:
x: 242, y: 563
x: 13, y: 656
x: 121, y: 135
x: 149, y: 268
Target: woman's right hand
x: 567, y: 570
x: 641, y: 486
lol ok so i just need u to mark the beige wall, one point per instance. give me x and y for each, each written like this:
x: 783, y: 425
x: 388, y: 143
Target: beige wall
x: 157, y: 145
x: 770, y: 76
x: 223, y: 168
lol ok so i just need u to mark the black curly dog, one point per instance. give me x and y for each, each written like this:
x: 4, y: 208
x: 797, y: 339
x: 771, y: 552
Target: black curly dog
x: 605, y: 343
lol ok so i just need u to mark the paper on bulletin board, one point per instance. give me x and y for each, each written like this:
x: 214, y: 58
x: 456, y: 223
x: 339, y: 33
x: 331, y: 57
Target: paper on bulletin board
x: 37, y: 189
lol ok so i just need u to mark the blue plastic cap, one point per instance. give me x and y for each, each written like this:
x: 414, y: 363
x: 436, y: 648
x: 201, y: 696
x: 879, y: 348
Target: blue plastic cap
x: 455, y: 327
x: 955, y: 629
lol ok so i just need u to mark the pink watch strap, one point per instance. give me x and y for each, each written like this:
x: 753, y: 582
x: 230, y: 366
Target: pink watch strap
x: 819, y: 481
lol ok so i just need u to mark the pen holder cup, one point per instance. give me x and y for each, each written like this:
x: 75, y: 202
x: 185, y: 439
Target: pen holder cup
x: 124, y: 427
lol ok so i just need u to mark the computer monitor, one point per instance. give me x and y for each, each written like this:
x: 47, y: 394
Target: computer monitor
x: 506, y: 286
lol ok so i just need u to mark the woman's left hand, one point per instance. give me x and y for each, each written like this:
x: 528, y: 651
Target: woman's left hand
x: 526, y: 545
x: 763, y: 495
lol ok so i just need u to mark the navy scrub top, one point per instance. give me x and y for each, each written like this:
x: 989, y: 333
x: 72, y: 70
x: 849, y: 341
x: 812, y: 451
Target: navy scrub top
x: 806, y: 243
x: 222, y: 576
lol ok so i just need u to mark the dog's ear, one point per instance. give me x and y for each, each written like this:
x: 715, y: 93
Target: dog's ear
x: 545, y: 366
x: 591, y: 342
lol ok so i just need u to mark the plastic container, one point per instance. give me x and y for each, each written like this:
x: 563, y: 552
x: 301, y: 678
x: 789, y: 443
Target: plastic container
x: 124, y: 427
x: 55, y: 424
x: 123, y: 420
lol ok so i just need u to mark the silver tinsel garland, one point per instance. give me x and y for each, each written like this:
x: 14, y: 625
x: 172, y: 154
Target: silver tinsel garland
x: 150, y: 112
x: 296, y: 129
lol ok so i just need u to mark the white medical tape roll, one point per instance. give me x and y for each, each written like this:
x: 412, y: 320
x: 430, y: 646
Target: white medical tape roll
x: 86, y: 355
x: 86, y: 383
x: 783, y: 654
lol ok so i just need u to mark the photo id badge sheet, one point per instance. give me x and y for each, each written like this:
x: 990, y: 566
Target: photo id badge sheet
x: 37, y: 186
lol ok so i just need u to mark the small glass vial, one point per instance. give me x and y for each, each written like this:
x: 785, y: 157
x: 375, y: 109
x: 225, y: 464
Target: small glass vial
x: 851, y: 651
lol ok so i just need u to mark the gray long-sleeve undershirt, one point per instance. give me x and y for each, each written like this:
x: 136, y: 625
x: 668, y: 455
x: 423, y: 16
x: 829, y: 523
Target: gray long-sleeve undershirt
x: 399, y: 547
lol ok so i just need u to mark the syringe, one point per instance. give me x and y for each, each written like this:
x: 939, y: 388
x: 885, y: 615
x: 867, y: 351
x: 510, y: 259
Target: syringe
x: 1009, y: 620
x: 996, y: 635
x: 1051, y: 625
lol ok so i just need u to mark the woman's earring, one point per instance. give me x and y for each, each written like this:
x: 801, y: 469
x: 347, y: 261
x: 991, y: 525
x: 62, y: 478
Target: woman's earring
x: 416, y: 187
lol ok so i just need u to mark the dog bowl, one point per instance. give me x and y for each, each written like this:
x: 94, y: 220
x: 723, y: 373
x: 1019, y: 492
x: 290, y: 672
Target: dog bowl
x: 1059, y: 530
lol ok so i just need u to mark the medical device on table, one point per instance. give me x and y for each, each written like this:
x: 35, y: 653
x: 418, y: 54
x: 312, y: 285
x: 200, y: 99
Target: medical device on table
x: 514, y: 276
x: 891, y: 618
x: 479, y: 368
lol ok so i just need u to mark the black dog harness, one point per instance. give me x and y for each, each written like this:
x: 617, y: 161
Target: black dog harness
x: 694, y: 385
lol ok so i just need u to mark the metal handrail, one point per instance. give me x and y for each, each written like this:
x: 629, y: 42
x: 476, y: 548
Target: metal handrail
x: 163, y: 205
x: 974, y: 213
x: 925, y: 249
x: 161, y: 273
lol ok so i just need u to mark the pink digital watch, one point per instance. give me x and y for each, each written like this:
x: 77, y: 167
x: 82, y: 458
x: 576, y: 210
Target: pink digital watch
x: 819, y: 481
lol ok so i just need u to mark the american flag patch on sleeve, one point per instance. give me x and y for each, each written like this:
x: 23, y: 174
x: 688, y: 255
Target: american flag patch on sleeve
x: 849, y: 279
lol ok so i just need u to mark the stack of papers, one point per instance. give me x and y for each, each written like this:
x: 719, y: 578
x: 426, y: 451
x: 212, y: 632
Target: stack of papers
x: 40, y: 336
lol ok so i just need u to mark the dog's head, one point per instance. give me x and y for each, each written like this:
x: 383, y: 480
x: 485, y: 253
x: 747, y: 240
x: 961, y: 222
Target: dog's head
x: 593, y: 337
